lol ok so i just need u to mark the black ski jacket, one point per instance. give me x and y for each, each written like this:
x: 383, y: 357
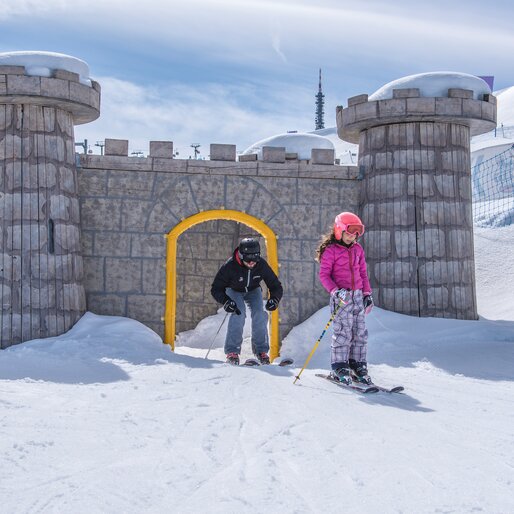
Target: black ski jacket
x: 240, y: 278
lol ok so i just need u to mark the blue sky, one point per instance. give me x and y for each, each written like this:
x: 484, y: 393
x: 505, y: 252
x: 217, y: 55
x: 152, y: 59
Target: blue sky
x: 215, y: 71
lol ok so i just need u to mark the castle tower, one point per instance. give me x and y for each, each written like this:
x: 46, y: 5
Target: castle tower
x: 414, y: 161
x: 42, y: 96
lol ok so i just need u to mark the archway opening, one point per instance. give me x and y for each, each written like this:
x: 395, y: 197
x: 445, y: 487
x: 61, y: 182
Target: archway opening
x: 170, y: 318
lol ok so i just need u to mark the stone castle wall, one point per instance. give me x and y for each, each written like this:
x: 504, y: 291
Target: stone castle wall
x: 128, y: 205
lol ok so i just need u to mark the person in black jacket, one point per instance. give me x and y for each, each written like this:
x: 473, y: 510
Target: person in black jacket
x: 238, y: 283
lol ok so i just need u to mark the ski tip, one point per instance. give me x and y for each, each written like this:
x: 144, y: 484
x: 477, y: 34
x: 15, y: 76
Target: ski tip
x: 397, y: 389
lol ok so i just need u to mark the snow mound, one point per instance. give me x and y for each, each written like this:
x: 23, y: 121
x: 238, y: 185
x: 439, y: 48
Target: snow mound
x: 434, y: 84
x: 43, y: 64
x: 293, y: 142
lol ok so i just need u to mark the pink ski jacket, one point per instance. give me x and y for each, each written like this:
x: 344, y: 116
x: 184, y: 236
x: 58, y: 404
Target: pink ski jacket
x: 344, y: 267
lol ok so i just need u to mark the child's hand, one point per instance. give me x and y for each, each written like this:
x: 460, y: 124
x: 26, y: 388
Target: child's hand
x: 368, y: 303
x: 343, y: 295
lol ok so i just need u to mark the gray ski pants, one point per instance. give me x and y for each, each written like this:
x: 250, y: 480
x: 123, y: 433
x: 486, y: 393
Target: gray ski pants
x: 350, y: 339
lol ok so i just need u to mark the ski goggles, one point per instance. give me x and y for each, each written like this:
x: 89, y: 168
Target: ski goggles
x: 355, y: 229
x: 251, y: 257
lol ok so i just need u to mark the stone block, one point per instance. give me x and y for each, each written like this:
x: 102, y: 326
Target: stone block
x: 100, y: 213
x: 490, y: 99
x: 406, y: 93
x: 67, y: 75
x: 421, y: 106
x: 116, y: 147
x: 394, y: 272
x: 471, y: 108
x: 12, y: 70
x: 359, y: 99
x: 322, y: 156
x: 111, y: 244
x: 366, y: 111
x: 404, y: 242
x: 395, y: 107
x: 23, y: 85
x: 55, y: 88
x: 248, y: 158
x: 274, y: 154
x: 378, y: 243
x: 222, y: 152
x: 437, y: 298
x: 123, y: 275
x: 448, y: 106
x: 489, y: 111
x: 148, y: 245
x: 163, y: 149
x: 94, y: 273
x: 154, y: 276
x: 460, y: 93
x: 80, y: 93
x: 431, y: 243
x: 107, y: 304
x: 460, y: 244
x: 290, y: 156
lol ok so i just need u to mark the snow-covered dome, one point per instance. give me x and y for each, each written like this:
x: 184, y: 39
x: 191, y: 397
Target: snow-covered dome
x: 294, y: 142
x: 43, y: 64
x: 434, y: 84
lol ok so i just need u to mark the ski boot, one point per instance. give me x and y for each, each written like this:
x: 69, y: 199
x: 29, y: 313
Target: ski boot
x: 263, y: 358
x: 342, y: 373
x: 233, y: 358
x: 359, y: 372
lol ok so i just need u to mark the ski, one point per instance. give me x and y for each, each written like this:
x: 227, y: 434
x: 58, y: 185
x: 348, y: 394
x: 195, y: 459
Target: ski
x: 254, y: 362
x: 397, y: 389
x: 354, y: 387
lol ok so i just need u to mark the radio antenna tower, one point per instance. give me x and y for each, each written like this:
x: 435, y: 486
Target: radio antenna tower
x: 320, y: 103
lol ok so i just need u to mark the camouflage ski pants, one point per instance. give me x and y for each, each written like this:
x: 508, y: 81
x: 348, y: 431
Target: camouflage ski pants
x: 350, y: 339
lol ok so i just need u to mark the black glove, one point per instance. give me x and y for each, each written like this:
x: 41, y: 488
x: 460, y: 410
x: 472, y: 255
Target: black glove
x: 230, y: 306
x: 368, y: 302
x: 271, y: 304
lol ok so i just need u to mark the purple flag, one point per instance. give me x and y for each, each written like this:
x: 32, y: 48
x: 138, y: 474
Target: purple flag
x: 489, y: 79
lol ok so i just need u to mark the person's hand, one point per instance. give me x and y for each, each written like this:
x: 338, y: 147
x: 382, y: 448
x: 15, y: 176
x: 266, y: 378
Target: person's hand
x: 230, y: 306
x: 341, y: 295
x: 271, y: 304
x: 368, y: 303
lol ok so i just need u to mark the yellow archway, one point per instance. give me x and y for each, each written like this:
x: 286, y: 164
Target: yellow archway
x: 171, y: 267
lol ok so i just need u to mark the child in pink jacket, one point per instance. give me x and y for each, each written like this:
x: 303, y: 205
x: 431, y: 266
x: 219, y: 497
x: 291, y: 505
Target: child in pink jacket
x: 343, y: 274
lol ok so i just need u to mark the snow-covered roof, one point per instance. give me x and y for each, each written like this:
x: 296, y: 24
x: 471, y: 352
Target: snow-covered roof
x: 43, y: 64
x: 294, y: 142
x: 434, y: 84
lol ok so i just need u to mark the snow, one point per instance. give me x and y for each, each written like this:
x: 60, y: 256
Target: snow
x: 434, y: 84
x: 105, y: 418
x: 43, y: 64
x: 293, y: 142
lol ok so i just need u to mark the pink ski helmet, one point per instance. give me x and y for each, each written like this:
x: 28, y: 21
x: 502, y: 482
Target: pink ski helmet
x: 347, y: 222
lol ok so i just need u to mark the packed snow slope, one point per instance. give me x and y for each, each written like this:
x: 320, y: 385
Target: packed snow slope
x: 106, y: 419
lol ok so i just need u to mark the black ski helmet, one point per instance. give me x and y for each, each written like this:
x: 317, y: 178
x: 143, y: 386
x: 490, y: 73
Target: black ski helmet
x: 249, y: 249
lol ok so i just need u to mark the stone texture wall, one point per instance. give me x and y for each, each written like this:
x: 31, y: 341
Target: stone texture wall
x: 416, y: 202
x: 40, y: 261
x: 128, y: 205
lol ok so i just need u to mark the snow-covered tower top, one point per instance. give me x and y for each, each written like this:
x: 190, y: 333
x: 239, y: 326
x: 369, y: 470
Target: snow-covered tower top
x: 50, y: 79
x: 442, y: 96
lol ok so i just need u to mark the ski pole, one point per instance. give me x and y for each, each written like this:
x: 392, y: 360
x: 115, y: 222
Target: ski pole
x: 212, y: 342
x: 339, y: 305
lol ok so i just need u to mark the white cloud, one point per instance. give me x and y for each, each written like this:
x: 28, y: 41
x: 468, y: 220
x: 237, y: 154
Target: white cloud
x: 184, y: 114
